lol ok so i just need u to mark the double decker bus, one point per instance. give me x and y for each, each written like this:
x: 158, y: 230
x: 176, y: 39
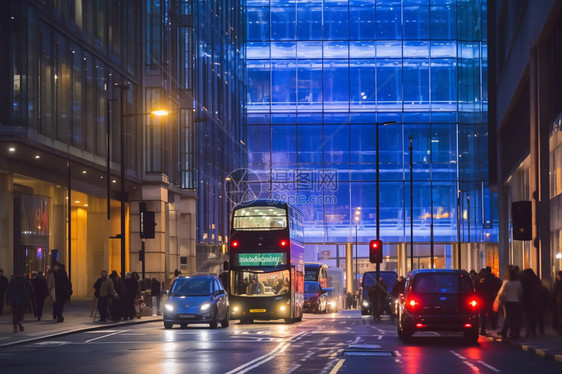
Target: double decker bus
x: 266, y: 267
x: 316, y: 272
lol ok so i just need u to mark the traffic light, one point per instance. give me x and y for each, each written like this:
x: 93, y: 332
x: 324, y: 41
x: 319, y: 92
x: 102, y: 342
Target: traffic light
x: 521, y: 217
x: 147, y: 224
x: 375, y: 251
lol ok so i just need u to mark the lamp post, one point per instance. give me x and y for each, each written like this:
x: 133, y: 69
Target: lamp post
x: 356, y: 219
x: 122, y: 236
x: 411, y: 148
x: 378, y: 192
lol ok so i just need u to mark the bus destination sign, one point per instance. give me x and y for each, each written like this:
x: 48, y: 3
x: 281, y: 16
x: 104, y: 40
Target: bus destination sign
x: 261, y: 259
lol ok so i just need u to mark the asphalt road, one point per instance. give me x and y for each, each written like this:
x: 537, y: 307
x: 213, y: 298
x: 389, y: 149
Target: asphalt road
x: 334, y: 343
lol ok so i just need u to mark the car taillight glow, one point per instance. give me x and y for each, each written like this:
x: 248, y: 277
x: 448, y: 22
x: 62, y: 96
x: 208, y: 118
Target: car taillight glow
x: 473, y: 303
x: 420, y: 325
x: 468, y: 325
x: 234, y: 243
x: 412, y: 304
x: 284, y: 243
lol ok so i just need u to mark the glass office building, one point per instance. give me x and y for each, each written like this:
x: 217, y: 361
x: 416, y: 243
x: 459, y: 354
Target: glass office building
x: 322, y: 75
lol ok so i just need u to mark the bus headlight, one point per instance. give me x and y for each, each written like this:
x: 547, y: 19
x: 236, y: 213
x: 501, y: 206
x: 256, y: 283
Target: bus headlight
x: 283, y: 308
x: 235, y: 309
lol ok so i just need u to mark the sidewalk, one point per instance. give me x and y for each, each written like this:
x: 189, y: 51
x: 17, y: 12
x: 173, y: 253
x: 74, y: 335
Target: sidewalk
x: 548, y: 345
x: 76, y: 318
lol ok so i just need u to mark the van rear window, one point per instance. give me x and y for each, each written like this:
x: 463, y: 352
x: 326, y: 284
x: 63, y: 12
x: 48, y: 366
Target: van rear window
x: 442, y: 284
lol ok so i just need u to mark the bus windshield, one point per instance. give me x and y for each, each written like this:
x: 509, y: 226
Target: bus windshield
x: 245, y: 283
x: 259, y: 218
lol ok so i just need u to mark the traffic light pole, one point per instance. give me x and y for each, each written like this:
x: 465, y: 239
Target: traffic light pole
x: 143, y: 259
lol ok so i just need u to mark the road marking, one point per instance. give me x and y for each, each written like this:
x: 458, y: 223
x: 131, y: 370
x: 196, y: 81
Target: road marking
x: 293, y: 368
x: 338, y: 366
x: 458, y: 355
x: 472, y: 366
x: 357, y: 339
x: 244, y: 368
x: 103, y: 336
x: 380, y: 337
x: 397, y: 354
x: 490, y: 367
x: 307, y: 356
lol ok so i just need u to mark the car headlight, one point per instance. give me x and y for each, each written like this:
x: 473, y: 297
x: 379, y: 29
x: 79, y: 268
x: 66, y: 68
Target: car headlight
x: 169, y: 307
x: 332, y: 303
x: 365, y: 303
x: 205, y: 306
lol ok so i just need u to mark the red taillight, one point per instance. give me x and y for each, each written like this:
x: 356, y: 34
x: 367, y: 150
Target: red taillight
x: 420, y: 325
x: 234, y: 244
x: 284, y: 243
x: 473, y: 303
x: 468, y: 325
x: 412, y: 304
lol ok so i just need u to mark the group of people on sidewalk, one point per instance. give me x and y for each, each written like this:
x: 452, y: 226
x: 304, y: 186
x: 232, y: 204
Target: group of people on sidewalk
x: 118, y: 298
x: 523, y: 299
x: 23, y: 293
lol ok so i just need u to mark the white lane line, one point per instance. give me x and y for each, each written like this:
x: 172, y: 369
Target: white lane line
x: 244, y: 368
x: 397, y: 354
x: 293, y: 368
x: 103, y: 336
x: 472, y: 366
x: 357, y: 339
x: 380, y: 337
x: 338, y: 366
x: 458, y: 355
x: 490, y: 367
x: 307, y: 356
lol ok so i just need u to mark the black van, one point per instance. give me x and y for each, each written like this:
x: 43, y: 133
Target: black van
x: 370, y: 279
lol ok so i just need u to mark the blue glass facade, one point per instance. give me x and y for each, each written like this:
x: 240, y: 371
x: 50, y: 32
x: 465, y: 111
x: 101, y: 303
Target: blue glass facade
x: 322, y: 74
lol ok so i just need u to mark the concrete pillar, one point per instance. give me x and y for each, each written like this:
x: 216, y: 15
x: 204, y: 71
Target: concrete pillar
x: 349, y: 281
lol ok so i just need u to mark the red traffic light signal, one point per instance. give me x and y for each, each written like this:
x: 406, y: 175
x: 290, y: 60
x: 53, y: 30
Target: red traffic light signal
x: 375, y: 251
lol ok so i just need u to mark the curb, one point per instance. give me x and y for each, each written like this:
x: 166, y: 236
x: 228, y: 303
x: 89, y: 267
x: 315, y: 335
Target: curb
x: 526, y: 348
x: 77, y: 330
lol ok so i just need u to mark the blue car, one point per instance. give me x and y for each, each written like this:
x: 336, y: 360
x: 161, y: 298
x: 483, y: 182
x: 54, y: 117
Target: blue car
x: 197, y: 299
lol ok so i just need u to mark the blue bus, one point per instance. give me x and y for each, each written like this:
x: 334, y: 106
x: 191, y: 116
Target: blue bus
x: 266, y: 262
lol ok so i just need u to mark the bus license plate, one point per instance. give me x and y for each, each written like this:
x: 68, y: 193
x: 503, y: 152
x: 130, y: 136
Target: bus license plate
x: 186, y: 315
x: 257, y: 310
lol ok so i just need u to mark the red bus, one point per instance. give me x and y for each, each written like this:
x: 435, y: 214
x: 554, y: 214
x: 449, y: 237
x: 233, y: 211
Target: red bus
x: 316, y: 272
x: 266, y: 267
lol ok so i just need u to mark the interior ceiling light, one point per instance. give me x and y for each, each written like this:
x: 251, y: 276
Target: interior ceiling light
x: 77, y: 202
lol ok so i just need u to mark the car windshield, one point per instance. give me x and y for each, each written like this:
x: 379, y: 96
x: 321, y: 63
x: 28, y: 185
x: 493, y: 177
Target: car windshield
x: 311, y: 287
x: 192, y: 287
x: 441, y: 284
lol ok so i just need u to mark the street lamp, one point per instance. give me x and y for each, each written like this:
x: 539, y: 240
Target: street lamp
x: 378, y: 192
x: 357, y: 218
x: 122, y: 235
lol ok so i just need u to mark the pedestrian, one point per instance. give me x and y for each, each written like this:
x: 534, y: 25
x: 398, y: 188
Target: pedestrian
x: 155, y: 292
x: 3, y: 287
x: 17, y: 296
x: 510, y: 297
x: 105, y: 291
x: 132, y: 289
x: 348, y: 300
x: 60, y: 290
x: 557, y: 300
x: 485, y: 290
x: 529, y: 282
x: 40, y: 292
x: 541, y: 301
x: 176, y: 275
x: 398, y: 287
x: 116, y: 304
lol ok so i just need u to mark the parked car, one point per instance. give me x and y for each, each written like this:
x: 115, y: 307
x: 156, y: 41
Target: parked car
x: 315, y: 298
x: 332, y: 300
x: 197, y: 299
x: 439, y: 300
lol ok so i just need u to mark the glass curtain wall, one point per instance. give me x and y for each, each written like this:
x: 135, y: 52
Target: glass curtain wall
x: 322, y: 74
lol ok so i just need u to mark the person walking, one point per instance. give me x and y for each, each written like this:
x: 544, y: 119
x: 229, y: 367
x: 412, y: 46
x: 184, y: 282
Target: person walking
x: 3, y: 287
x: 485, y: 290
x: 132, y: 286
x: 510, y: 296
x: 155, y: 293
x: 557, y: 300
x: 40, y: 292
x: 529, y: 281
x: 17, y: 296
x: 60, y: 291
x: 348, y: 300
x: 116, y: 304
x: 104, y: 291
